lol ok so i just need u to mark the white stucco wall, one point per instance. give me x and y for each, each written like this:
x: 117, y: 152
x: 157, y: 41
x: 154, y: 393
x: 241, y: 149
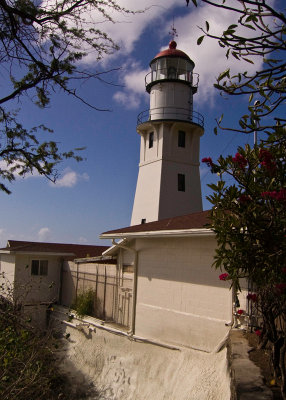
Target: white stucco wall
x: 157, y: 194
x: 7, y: 273
x: 180, y: 298
x: 36, y: 288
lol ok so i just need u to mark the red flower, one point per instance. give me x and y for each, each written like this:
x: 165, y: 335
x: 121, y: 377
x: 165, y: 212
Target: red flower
x: 240, y: 160
x: 280, y: 287
x: 267, y: 160
x: 279, y: 196
x: 244, y: 198
x: 265, y: 155
x: 252, y: 297
x: 272, y: 195
x: 208, y: 161
x: 258, y: 332
x: 223, y: 277
x: 239, y: 312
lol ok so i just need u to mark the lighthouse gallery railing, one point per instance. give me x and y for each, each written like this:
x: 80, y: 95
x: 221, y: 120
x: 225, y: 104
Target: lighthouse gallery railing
x: 172, y: 113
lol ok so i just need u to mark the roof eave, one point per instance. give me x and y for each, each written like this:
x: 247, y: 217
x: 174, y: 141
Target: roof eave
x: 165, y: 233
x: 94, y: 259
x: 37, y: 253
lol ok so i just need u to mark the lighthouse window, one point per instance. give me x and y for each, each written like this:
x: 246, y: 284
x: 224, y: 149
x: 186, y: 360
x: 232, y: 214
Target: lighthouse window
x: 181, y: 182
x: 182, y: 139
x: 151, y: 139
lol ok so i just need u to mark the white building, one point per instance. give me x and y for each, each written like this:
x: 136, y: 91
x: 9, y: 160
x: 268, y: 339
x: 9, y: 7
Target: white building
x: 35, y: 270
x: 177, y: 295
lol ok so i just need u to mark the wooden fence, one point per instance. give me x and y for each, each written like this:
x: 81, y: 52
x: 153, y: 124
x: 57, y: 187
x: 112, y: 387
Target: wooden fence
x: 113, y: 291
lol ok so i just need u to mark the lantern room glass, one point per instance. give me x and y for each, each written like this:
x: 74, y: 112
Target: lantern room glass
x: 171, y: 68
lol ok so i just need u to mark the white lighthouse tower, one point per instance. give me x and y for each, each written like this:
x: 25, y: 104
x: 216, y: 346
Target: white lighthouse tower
x: 168, y: 182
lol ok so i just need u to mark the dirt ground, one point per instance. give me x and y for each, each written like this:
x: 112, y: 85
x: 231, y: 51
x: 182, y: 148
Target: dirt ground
x: 261, y: 357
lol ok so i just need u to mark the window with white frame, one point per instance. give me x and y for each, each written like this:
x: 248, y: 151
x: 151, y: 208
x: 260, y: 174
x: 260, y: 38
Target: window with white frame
x: 39, y: 267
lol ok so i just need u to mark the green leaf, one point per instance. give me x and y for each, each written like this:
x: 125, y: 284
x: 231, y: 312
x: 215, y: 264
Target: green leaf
x: 200, y: 39
x: 195, y: 3
x: 218, y: 86
x: 223, y: 74
x: 249, y: 27
x: 235, y: 55
x: 232, y: 26
x: 248, y: 60
x: 207, y: 26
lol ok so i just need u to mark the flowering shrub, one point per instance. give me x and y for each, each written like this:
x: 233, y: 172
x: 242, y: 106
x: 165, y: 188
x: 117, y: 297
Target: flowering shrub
x: 249, y: 220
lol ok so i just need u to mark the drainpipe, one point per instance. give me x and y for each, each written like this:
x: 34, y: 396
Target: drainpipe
x: 76, y: 284
x: 135, y: 252
x: 60, y: 293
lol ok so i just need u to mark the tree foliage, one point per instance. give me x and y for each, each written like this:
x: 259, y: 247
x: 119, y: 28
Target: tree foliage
x: 28, y: 364
x: 259, y: 32
x: 249, y: 214
x: 42, y: 46
x: 249, y: 220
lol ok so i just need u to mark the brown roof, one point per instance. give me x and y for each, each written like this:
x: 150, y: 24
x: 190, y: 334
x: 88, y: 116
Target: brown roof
x: 190, y: 221
x: 78, y: 250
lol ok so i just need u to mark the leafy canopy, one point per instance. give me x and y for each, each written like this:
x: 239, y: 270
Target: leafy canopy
x: 42, y: 45
x: 260, y: 31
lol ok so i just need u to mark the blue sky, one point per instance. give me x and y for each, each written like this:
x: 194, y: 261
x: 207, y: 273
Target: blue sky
x: 97, y: 194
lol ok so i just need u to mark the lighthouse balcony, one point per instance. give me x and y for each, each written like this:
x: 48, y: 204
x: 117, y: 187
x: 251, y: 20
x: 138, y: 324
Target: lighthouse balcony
x: 172, y: 75
x: 170, y: 113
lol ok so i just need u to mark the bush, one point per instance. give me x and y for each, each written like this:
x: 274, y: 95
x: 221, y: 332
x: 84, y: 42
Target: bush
x: 28, y: 362
x: 85, y: 303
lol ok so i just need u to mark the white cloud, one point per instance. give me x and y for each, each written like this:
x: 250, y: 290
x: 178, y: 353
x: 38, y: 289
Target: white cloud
x: 134, y: 86
x: 127, y: 28
x: 44, y: 234
x: 70, y: 178
x: 83, y: 240
x: 5, y: 166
